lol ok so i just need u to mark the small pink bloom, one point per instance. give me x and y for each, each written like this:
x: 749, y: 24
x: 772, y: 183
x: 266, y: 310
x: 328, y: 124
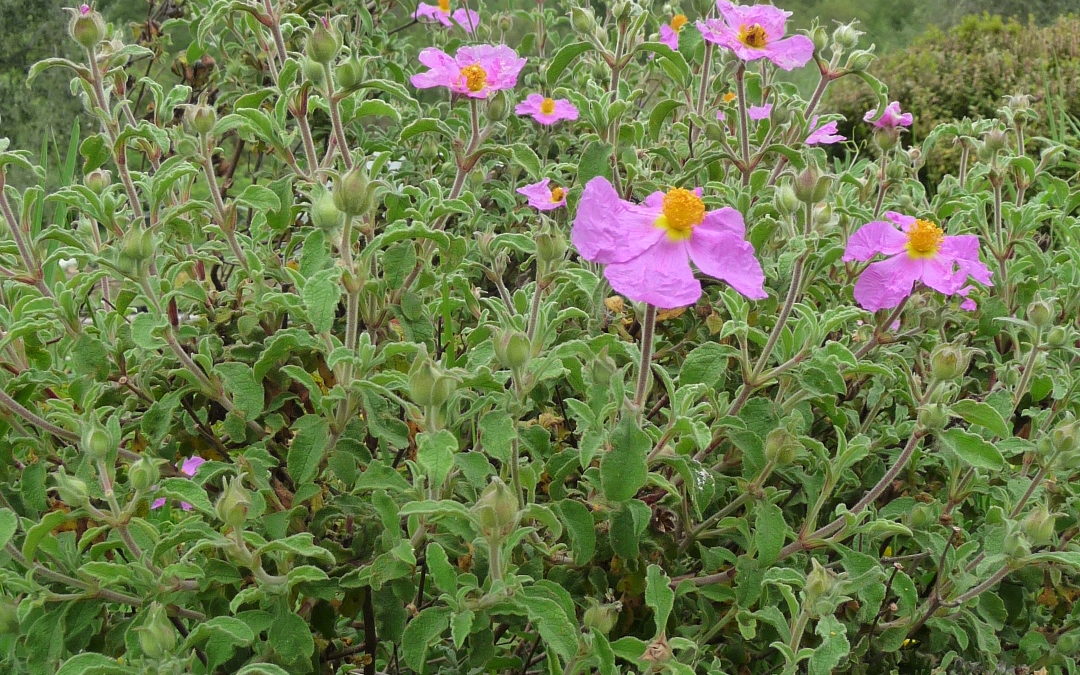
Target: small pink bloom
x: 755, y: 32
x: 466, y: 18
x: 823, y: 135
x: 84, y: 9
x: 547, y: 110
x: 917, y: 250
x: 968, y: 305
x: 544, y: 197
x: 890, y: 119
x: 188, y: 468
x: 647, y: 248
x: 475, y: 71
x: 759, y: 112
x: 669, y: 32
x: 720, y: 116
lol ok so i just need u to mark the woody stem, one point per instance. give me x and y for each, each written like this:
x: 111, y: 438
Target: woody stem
x: 648, y: 324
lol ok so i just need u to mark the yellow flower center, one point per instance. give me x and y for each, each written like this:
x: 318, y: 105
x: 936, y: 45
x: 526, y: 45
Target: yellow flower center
x: 678, y: 21
x: 557, y: 193
x: 444, y: 5
x: 475, y: 77
x: 682, y: 211
x: 752, y: 36
x: 729, y: 97
x: 924, y: 239
x: 547, y: 106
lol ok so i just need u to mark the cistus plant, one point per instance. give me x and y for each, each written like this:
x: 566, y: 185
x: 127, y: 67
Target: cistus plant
x: 548, y: 337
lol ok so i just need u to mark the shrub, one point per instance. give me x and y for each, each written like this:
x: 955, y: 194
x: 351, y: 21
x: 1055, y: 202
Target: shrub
x: 297, y: 379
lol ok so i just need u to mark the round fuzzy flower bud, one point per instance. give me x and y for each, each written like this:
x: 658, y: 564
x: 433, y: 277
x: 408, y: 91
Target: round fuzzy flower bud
x: 233, y: 505
x: 9, y: 617
x: 498, y: 108
x: 313, y: 70
x: 512, y: 349
x: 602, y: 368
x: 324, y: 43
x: 920, y: 516
x: 157, y: 637
x: 138, y: 245
x: 846, y: 36
x: 1016, y: 544
x: 810, y: 186
x: 98, y: 180
x: 324, y: 214
x: 1066, y: 437
x: 621, y: 9
x: 496, y: 510
x: 144, y: 474
x: 550, y: 246
x: 601, y: 618
x: 429, y: 385
x: 781, y: 446
x: 859, y: 60
x: 948, y: 362
x: 71, y: 490
x: 349, y: 73
x: 353, y: 192
x: 97, y: 442
x: 1040, y: 313
x: 200, y: 117
x: 995, y: 140
x: 506, y: 23
x: 886, y: 138
x: 1057, y: 337
x: 819, y: 582
x: 86, y: 27
x: 785, y: 200
x: 583, y: 20
x: 1038, y: 525
x: 820, y: 37
x: 933, y: 417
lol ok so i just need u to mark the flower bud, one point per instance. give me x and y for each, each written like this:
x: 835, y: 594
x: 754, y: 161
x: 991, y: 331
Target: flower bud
x: 781, y: 446
x: 583, y: 20
x: 349, y: 73
x: 498, y: 108
x: 157, y: 637
x: 601, y: 618
x: 1066, y: 437
x: 602, y: 368
x: 621, y: 9
x: 994, y: 140
x: 886, y: 138
x: 233, y: 504
x: 512, y: 349
x: 200, y: 117
x: 324, y: 215
x: 948, y: 362
x: 496, y: 510
x: 353, y: 192
x: 810, y: 186
x: 550, y: 246
x: 71, y: 490
x: 506, y: 23
x: 933, y: 417
x: 86, y: 27
x: 820, y: 37
x: 1016, y: 545
x: 9, y: 617
x: 846, y: 36
x: 1057, y: 337
x: 715, y: 131
x: 1018, y: 102
x: 785, y: 200
x: 1038, y: 525
x: 138, y: 246
x: 97, y: 442
x: 920, y: 516
x: 324, y: 43
x: 98, y: 180
x: 657, y: 653
x: 859, y: 61
x: 313, y: 70
x: 819, y: 582
x: 144, y: 474
x: 1040, y: 314
x: 429, y: 385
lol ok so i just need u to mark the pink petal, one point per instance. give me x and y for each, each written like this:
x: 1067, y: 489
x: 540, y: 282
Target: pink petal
x: 886, y: 283
x: 608, y: 229
x: 660, y: 276
x: 729, y: 258
x: 720, y: 115
x: 726, y: 220
x: 968, y: 305
x: 425, y: 11
x: 790, y: 53
x: 772, y: 19
x: 903, y: 221
x: 185, y: 506
x: 823, y: 135
x: 530, y: 106
x: 467, y: 19
x: 191, y: 465
x: 539, y: 196
x: 158, y: 503
x: 964, y: 249
x: 873, y: 238
x: 759, y: 112
x: 938, y: 274
x: 669, y: 37
x: 443, y: 70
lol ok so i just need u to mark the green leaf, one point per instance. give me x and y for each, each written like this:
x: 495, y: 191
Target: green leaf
x: 769, y: 532
x: 461, y: 626
x: 553, y: 624
x: 420, y: 633
x: 623, y: 469
x: 49, y: 522
x: 259, y: 198
x: 581, y: 529
x: 321, y: 295
x: 973, y: 449
x: 983, y: 414
x: 442, y: 572
x: 1071, y: 558
x: 526, y: 157
x: 595, y: 161
x: 91, y: 663
x: 497, y: 434
x: 562, y: 59
x: 425, y: 125
x: 435, y: 454
x: 186, y: 490
x: 376, y: 108
x: 222, y: 635
x: 302, y: 544
x: 706, y: 364
x: 307, y: 448
x: 241, y: 387
x: 833, y: 649
x: 659, y: 596
x: 8, y: 523
x: 290, y: 636
x: 660, y: 113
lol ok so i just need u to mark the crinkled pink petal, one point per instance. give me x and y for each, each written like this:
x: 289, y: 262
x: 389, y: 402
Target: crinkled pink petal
x: 964, y: 249
x: 530, y: 106
x: 186, y: 506
x: 425, y: 11
x: 772, y: 19
x: 608, y: 229
x: 874, y: 238
x: 539, y: 196
x: 759, y: 112
x: 729, y: 258
x: 192, y: 464
x: 968, y: 305
x: 790, y: 53
x: 938, y: 274
x: 564, y: 109
x: 655, y: 200
x: 726, y: 220
x: 720, y: 117
x: 903, y: 221
x: 501, y: 64
x: 824, y: 134
x: 443, y: 70
x: 884, y: 284
x: 467, y: 19
x: 669, y: 37
x: 891, y: 118
x: 158, y: 503
x: 660, y: 276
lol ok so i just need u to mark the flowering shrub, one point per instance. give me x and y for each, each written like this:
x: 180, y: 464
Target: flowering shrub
x: 325, y: 360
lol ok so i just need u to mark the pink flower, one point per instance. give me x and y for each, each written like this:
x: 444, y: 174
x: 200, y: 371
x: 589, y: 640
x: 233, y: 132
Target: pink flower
x: 466, y: 18
x: 188, y: 468
x: 84, y: 9
x: 823, y: 135
x: 891, y: 118
x: 547, y: 110
x: 647, y: 248
x: 542, y: 197
x: 918, y: 250
x: 669, y: 32
x: 755, y: 32
x: 720, y: 116
x: 475, y: 71
x: 759, y: 112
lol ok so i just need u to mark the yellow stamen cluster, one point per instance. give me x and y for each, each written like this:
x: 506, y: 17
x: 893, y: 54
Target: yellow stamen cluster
x: 924, y: 239
x: 682, y: 212
x: 444, y: 5
x: 729, y: 97
x: 678, y: 21
x: 475, y: 77
x: 547, y: 106
x: 753, y: 35
x: 557, y: 194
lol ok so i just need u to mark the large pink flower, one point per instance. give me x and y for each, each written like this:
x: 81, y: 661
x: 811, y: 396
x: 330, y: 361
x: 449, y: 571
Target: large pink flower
x: 547, y: 110
x: 647, y: 248
x: 475, y: 71
x: 918, y: 250
x: 466, y: 18
x: 669, y: 32
x: 543, y: 197
x: 759, y: 112
x: 189, y: 467
x: 823, y: 135
x: 891, y: 118
x: 756, y: 32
